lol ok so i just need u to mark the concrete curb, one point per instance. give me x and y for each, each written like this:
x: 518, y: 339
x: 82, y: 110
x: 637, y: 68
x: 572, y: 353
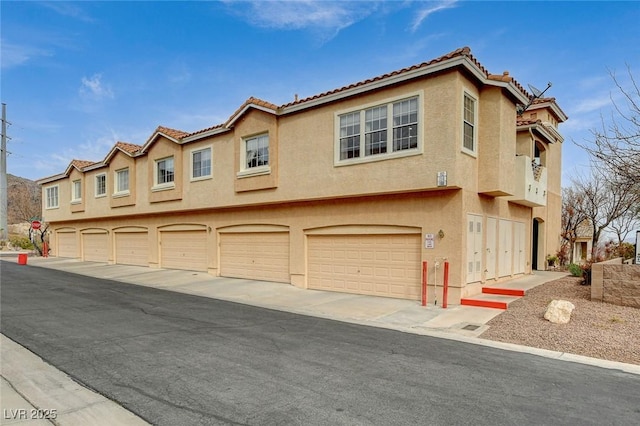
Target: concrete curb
x: 34, y: 392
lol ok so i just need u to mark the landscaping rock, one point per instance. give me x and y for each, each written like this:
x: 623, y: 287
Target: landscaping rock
x: 559, y: 311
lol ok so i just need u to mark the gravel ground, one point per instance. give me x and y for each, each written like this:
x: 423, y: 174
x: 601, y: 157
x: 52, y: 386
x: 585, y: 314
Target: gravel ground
x: 596, y: 329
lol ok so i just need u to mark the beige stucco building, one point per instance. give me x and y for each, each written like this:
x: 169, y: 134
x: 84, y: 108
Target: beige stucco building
x: 350, y: 190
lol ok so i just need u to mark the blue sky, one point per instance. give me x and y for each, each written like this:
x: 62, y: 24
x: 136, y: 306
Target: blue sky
x: 79, y: 76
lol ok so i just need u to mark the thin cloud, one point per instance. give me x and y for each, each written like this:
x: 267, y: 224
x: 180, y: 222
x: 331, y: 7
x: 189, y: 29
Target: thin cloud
x: 14, y: 55
x: 593, y: 103
x: 71, y: 10
x: 93, y: 88
x: 326, y: 17
x: 431, y: 8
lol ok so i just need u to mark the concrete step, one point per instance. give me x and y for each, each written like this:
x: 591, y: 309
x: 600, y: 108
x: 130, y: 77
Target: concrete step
x: 496, y: 301
x: 503, y: 291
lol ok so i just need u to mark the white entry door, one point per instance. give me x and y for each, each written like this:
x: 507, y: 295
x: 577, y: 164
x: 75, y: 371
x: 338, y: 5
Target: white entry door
x: 492, y: 247
x: 474, y: 248
x: 518, y: 247
x: 505, y: 248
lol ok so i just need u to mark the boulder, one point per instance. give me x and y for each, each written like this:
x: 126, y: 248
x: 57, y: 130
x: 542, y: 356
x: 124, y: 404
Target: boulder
x: 559, y: 311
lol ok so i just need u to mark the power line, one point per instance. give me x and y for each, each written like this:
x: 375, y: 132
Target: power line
x: 3, y: 175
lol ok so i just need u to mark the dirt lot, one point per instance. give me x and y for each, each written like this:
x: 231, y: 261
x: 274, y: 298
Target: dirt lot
x: 596, y: 329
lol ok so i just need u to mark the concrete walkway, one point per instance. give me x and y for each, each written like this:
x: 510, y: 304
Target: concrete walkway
x: 25, y: 383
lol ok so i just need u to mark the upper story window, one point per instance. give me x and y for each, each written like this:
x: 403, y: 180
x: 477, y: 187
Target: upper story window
x: 382, y: 137
x: 256, y: 152
x: 165, y: 173
x: 76, y: 191
x: 122, y: 182
x: 201, y: 163
x: 101, y: 185
x: 51, y: 197
x: 469, y: 125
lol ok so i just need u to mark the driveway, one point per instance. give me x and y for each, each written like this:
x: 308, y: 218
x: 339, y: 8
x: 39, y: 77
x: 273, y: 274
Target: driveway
x: 181, y: 359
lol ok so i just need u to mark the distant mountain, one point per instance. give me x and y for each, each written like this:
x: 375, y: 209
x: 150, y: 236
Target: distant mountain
x: 24, y: 200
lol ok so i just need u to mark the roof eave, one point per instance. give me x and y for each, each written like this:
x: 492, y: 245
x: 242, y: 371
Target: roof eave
x: 206, y: 134
x: 51, y: 179
x: 153, y: 138
x: 409, y: 75
x: 547, y: 133
x: 240, y: 113
x: 560, y: 115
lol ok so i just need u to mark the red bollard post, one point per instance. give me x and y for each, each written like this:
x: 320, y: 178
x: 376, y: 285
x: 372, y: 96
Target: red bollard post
x: 45, y: 249
x: 445, y: 287
x: 424, y: 283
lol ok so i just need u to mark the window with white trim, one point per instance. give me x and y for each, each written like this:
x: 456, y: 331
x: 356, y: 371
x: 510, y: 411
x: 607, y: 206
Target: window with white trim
x: 101, y: 185
x: 76, y: 191
x: 371, y: 125
x: 201, y: 163
x: 256, y: 152
x: 122, y: 182
x: 51, y: 197
x: 165, y: 173
x: 469, y: 124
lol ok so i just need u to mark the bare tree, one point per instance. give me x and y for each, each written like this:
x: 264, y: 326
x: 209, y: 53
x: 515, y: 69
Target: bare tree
x: 572, y: 216
x: 606, y: 197
x: 616, y: 146
x: 625, y: 224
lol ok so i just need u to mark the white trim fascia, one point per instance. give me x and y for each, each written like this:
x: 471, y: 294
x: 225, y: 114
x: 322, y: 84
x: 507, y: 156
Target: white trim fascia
x: 67, y: 172
x: 409, y: 75
x: 552, y: 130
x: 235, y: 117
x: 152, y: 139
x: 95, y: 166
x: 539, y: 128
x: 553, y: 106
x: 113, y: 152
x: 51, y: 179
x: 367, y: 87
x: 206, y: 134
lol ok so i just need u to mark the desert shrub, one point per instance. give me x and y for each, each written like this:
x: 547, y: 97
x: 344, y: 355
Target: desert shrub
x: 22, y: 242
x: 575, y: 270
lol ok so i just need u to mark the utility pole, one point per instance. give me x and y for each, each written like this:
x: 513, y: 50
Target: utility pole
x: 3, y: 177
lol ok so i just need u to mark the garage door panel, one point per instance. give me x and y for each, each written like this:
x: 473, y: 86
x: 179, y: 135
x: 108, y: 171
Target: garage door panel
x: 382, y: 265
x: 67, y: 244
x: 95, y: 247
x: 256, y: 255
x: 132, y: 248
x: 186, y: 250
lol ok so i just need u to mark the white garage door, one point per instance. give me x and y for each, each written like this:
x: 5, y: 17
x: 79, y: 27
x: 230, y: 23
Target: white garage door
x: 132, y: 248
x: 67, y: 245
x: 184, y: 250
x: 255, y: 255
x: 95, y: 247
x: 379, y: 265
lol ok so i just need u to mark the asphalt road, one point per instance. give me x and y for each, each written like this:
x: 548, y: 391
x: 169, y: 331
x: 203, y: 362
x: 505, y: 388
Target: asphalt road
x: 177, y: 359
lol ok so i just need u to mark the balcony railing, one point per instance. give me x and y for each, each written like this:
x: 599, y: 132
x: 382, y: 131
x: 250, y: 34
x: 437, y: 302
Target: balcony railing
x: 531, y: 183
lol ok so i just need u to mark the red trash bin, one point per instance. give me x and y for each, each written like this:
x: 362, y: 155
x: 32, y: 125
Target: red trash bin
x: 22, y: 259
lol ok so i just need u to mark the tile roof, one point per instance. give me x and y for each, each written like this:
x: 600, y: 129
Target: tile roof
x: 81, y: 164
x: 173, y: 133
x: 128, y: 147
x: 197, y: 132
x: 524, y: 122
x: 251, y: 101
x: 461, y: 52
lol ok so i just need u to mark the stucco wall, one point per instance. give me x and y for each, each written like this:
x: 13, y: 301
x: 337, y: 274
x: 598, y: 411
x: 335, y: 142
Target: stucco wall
x: 615, y: 283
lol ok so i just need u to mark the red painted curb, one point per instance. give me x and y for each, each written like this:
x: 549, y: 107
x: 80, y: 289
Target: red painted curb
x: 484, y: 303
x: 503, y: 291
